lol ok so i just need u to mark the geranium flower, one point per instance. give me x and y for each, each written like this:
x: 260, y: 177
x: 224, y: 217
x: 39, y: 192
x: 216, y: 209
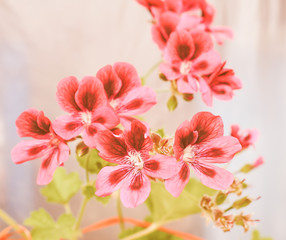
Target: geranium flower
x: 47, y: 144
x: 198, y: 144
x: 188, y: 56
x: 220, y: 84
x: 131, y: 151
x: 86, y: 101
x: 124, y: 91
x: 246, y: 137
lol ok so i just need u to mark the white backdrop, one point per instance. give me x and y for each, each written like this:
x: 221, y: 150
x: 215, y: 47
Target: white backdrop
x: 43, y: 41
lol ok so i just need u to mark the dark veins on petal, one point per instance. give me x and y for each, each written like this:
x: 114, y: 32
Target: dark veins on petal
x: 117, y: 176
x: 152, y: 165
x: 137, y: 182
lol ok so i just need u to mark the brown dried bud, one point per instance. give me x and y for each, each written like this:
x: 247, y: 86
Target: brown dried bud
x: 236, y: 187
x: 244, y: 220
x: 225, y: 223
x: 207, y: 203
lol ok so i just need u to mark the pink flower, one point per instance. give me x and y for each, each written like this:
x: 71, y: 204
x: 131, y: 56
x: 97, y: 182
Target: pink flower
x: 246, y: 137
x: 188, y: 56
x: 131, y: 151
x: 198, y: 144
x: 87, y: 103
x: 220, y: 84
x: 124, y: 91
x: 47, y: 144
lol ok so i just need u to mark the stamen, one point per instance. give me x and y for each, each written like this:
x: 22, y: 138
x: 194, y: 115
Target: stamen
x: 185, y: 67
x: 86, y: 117
x: 135, y: 159
x: 189, y: 154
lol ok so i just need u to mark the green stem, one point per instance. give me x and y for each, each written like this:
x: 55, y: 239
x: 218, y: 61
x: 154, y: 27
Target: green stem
x: 119, y: 212
x: 226, y: 210
x: 152, y: 69
x: 144, y: 232
x: 11, y: 222
x: 162, y: 90
x: 81, y: 212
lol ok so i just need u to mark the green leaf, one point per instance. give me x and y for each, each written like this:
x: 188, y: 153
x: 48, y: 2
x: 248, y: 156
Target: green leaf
x: 45, y: 228
x: 89, y: 191
x: 156, y: 235
x: 164, y: 207
x: 91, y: 161
x: 62, y: 188
x: 172, y: 103
x: 256, y: 236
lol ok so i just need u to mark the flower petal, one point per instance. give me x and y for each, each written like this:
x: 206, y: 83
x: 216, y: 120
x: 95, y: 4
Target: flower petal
x: 112, y: 148
x: 213, y: 177
x: 68, y: 126
x: 90, y: 94
x: 89, y: 134
x: 180, y: 47
x: 207, y: 125
x: 184, y: 136
x: 137, y: 101
x: 160, y: 166
x: 29, y: 150
x: 33, y: 123
x: 218, y: 150
x: 128, y: 76
x: 136, y: 191
x: 202, y: 43
x: 176, y: 184
x: 206, y: 63
x: 110, y: 179
x: 171, y: 71
x: 137, y: 137
x: 105, y: 116
x: 187, y: 84
x: 47, y: 169
x: 66, y: 91
x: 111, y: 82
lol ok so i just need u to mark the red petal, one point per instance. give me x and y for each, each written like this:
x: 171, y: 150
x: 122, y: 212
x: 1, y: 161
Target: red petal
x: 112, y: 148
x: 136, y: 192
x: 90, y: 94
x: 202, y: 43
x: 110, y: 80
x: 176, y: 184
x: 33, y: 123
x: 128, y: 76
x: 184, y: 136
x: 180, y: 47
x: 137, y: 138
x: 66, y: 91
x: 105, y: 116
x: 207, y: 125
x: 160, y: 166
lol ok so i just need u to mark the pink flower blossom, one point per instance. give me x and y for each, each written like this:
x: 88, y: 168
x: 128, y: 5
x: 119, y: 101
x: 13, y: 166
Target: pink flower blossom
x: 188, y: 56
x: 198, y: 144
x: 47, y: 144
x: 220, y: 84
x: 87, y: 103
x: 131, y: 151
x: 124, y: 91
x: 246, y: 137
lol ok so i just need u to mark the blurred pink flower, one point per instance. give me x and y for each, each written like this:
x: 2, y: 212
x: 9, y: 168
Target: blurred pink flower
x: 47, y: 144
x: 246, y: 137
x: 220, y: 84
x: 198, y: 144
x: 131, y: 151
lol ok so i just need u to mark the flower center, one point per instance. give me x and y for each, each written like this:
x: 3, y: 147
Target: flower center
x: 185, y: 67
x: 86, y: 117
x: 189, y: 154
x: 135, y: 159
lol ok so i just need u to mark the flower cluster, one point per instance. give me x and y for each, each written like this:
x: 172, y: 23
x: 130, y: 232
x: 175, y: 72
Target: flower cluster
x: 96, y: 106
x: 183, y: 31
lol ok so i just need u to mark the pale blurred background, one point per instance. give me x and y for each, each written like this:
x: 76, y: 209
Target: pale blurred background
x: 43, y: 41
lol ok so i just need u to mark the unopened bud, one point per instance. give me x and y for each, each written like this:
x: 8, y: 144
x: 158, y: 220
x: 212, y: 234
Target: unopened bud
x: 220, y: 198
x: 243, y: 202
x: 81, y: 149
x: 188, y: 97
